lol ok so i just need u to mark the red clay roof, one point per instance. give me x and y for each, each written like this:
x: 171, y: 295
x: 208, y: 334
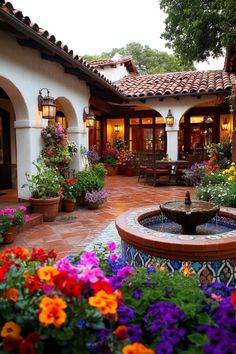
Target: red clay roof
x: 127, y: 61
x: 177, y: 83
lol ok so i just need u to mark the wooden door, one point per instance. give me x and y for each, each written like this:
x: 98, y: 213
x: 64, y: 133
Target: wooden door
x: 5, y: 151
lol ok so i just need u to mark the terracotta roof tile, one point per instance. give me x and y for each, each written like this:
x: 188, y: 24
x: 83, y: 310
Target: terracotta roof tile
x: 127, y: 61
x: 176, y: 83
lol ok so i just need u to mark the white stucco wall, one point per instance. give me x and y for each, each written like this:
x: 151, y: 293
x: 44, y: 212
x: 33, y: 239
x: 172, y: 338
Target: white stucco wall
x: 22, y: 74
x: 114, y: 73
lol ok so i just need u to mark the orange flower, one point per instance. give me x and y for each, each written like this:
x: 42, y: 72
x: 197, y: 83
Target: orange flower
x: 136, y: 348
x: 10, y: 328
x: 11, y: 294
x: 120, y: 332
x: 216, y: 297
x: 48, y: 274
x: 52, y: 311
x: 106, y: 303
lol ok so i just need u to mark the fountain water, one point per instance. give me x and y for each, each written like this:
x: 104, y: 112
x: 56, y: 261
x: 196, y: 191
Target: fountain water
x: 211, y: 256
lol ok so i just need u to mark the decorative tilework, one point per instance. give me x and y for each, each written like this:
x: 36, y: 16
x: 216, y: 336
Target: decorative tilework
x: 208, y: 271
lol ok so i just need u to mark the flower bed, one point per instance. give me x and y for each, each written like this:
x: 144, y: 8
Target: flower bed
x: 95, y: 303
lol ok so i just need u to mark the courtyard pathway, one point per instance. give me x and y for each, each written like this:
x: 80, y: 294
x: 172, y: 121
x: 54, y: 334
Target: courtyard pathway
x: 72, y: 232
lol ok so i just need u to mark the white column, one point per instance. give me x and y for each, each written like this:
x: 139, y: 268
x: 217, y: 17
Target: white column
x: 28, y: 145
x: 80, y: 137
x: 172, y: 143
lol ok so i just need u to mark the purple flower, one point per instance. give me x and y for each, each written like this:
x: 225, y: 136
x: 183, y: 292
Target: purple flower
x: 164, y: 348
x: 137, y: 293
x: 134, y: 333
x: 125, y: 314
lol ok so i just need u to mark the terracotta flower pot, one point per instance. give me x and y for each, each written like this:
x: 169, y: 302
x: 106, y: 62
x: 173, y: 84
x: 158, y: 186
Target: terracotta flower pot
x: 8, y: 236
x: 111, y: 171
x: 47, y: 207
x: 92, y: 205
x: 68, y: 205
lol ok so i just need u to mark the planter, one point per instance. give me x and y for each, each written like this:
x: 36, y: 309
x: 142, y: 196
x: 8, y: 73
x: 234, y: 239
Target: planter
x: 8, y: 237
x: 80, y: 199
x: 47, y: 207
x: 68, y: 205
x: 129, y: 171
x: 93, y: 205
x: 111, y: 171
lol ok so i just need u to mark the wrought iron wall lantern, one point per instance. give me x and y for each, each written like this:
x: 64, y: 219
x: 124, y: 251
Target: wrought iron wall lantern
x: 116, y: 128
x: 225, y: 124
x: 169, y: 119
x: 46, y: 105
x: 88, y: 118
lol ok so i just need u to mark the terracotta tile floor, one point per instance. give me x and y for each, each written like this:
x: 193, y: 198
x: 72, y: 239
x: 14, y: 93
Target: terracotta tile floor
x: 72, y: 232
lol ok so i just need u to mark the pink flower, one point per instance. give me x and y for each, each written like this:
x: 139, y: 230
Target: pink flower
x: 91, y: 275
x: 26, y: 217
x: 114, y: 257
x: 111, y: 246
x: 22, y: 208
x: 89, y: 259
x: 49, y: 135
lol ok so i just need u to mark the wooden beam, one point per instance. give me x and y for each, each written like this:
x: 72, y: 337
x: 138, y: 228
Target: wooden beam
x: 100, y: 105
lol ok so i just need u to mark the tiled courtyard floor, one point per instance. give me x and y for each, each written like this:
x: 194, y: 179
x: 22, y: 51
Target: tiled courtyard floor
x: 73, y: 232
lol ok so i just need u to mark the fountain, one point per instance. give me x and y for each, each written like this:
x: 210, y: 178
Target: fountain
x: 189, y: 214
x: 211, y: 255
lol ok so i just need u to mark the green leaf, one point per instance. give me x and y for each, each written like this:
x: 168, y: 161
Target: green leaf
x: 198, y: 339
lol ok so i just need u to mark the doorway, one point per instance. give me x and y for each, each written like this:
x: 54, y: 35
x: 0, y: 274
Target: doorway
x: 5, y: 151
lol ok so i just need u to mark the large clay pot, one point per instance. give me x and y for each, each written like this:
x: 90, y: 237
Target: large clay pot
x: 8, y: 236
x: 111, y: 171
x: 68, y: 205
x: 47, y: 207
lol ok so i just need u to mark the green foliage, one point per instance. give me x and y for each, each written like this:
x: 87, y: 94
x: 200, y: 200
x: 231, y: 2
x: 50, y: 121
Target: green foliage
x: 213, y: 178
x: 148, y: 60
x: 110, y: 160
x: 99, y: 170
x: 89, y: 181
x: 188, y: 22
x: 45, y: 183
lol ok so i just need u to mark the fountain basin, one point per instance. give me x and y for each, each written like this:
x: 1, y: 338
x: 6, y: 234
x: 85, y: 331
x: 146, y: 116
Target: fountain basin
x: 189, y: 214
x: 213, y: 257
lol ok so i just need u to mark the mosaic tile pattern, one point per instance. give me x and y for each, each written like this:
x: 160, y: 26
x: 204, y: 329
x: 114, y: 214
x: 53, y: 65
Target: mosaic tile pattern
x: 208, y: 271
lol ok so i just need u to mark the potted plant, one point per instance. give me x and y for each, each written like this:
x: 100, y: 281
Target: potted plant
x: 88, y: 180
x: 10, y: 220
x: 128, y: 161
x: 69, y: 188
x: 44, y: 187
x: 94, y: 199
x: 110, y: 160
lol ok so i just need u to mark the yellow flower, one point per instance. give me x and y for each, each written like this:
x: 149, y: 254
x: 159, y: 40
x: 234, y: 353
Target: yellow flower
x: 11, y: 294
x: 10, y: 328
x: 47, y: 274
x: 230, y: 178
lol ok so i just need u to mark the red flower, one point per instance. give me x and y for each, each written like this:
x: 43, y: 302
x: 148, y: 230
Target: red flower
x: 102, y: 285
x: 120, y: 332
x: 233, y: 299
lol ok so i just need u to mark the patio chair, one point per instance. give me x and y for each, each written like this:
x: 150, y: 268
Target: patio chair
x: 144, y: 161
x: 155, y: 173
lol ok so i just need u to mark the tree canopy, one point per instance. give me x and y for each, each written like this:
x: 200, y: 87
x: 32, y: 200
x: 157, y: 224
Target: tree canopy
x: 198, y: 29
x: 148, y: 60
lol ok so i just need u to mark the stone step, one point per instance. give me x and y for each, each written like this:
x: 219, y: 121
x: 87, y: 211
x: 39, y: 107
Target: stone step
x: 34, y: 220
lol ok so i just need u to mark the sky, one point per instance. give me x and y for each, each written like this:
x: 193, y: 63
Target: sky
x: 96, y: 26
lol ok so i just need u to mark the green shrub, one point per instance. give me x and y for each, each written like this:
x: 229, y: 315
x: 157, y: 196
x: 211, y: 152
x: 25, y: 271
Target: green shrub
x: 99, y: 170
x: 110, y: 160
x: 89, y: 181
x: 217, y: 193
x: 213, y: 178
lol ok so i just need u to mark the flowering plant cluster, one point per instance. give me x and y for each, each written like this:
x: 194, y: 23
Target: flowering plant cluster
x: 119, y: 144
x: 220, y: 155
x: 96, y: 197
x: 58, y: 150
x: 54, y: 134
x: 194, y: 174
x: 12, y: 216
x: 230, y: 173
x: 127, y: 158
x: 69, y: 188
x: 95, y: 303
x: 110, y: 155
x: 93, y: 156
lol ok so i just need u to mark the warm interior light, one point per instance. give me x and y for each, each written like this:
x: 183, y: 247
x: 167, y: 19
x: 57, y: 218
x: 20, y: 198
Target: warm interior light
x: 225, y: 125
x: 46, y: 105
x: 169, y: 118
x: 116, y: 128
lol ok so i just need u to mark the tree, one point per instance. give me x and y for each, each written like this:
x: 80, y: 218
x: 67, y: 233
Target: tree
x: 198, y: 29
x: 148, y: 60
